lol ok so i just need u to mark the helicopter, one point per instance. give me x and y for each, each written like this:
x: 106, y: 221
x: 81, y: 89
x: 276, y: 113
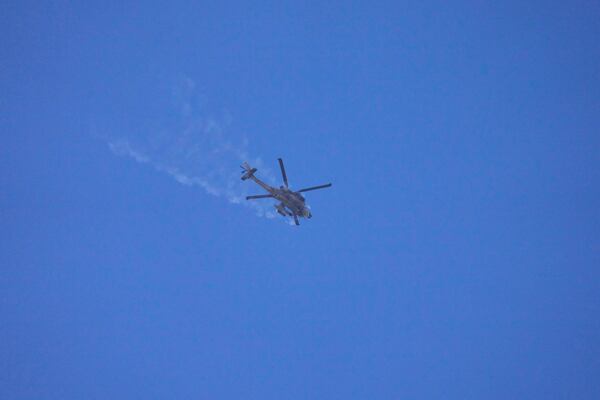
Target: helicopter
x: 291, y: 203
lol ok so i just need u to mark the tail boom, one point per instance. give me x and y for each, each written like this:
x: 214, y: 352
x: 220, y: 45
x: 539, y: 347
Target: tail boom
x: 248, y: 173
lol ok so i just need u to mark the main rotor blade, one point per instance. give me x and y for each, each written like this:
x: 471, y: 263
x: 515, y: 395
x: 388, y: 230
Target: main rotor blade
x: 283, y: 172
x: 296, y: 219
x: 315, y: 188
x: 259, y: 196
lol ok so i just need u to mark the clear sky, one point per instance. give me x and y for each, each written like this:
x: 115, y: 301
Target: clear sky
x: 456, y: 256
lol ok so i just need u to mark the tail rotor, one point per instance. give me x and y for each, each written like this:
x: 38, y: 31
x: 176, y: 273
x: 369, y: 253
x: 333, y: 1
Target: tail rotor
x: 247, y: 171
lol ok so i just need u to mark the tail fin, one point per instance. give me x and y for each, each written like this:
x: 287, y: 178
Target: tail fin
x: 248, y: 171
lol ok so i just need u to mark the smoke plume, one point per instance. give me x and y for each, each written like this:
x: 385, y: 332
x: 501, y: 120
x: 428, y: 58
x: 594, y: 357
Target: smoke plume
x: 197, y: 150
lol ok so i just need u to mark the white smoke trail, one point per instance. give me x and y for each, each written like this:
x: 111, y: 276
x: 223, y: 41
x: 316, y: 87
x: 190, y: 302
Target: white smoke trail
x: 198, y: 151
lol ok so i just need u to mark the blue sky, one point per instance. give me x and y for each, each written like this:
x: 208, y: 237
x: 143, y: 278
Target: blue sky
x: 456, y: 255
